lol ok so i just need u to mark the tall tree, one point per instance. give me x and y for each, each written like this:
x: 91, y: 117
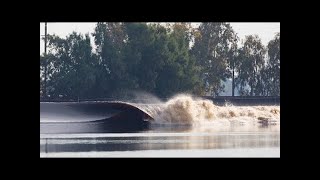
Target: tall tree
x: 233, y: 61
x: 274, y: 65
x: 142, y: 56
x: 179, y: 73
x: 211, y: 47
x: 161, y: 59
x: 71, y: 61
x: 41, y: 75
x: 110, y: 40
x: 252, y: 56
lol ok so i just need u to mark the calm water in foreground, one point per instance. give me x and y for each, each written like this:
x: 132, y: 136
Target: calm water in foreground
x: 234, y: 141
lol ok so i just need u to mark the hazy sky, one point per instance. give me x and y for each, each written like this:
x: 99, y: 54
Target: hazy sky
x: 266, y: 31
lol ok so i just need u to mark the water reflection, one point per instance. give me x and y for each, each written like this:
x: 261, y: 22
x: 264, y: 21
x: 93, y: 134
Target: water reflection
x: 164, y: 138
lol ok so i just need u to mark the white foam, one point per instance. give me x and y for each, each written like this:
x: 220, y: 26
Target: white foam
x: 184, y: 109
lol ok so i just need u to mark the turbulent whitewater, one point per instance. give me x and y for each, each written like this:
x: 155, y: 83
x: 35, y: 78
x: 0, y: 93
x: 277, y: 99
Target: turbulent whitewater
x: 185, y: 109
x: 180, y: 109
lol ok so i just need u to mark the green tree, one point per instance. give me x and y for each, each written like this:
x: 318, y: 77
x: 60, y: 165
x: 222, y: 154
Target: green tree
x: 252, y: 57
x: 111, y: 40
x: 274, y: 65
x: 161, y: 59
x: 233, y: 61
x: 41, y: 75
x: 142, y: 56
x: 71, y: 65
x: 179, y: 73
x: 211, y: 49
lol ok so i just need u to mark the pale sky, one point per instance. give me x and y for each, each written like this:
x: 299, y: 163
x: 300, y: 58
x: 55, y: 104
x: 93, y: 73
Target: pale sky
x: 266, y: 31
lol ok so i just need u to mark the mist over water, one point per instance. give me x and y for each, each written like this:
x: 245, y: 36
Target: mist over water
x: 143, y: 97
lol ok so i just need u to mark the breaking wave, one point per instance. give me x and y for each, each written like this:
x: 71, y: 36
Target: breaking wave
x: 185, y: 109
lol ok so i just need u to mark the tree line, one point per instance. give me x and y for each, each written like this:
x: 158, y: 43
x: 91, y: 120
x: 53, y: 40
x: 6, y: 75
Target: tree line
x: 162, y: 59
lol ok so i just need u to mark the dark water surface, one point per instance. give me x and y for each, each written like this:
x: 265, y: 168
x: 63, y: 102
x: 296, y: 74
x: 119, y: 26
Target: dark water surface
x: 166, y: 142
